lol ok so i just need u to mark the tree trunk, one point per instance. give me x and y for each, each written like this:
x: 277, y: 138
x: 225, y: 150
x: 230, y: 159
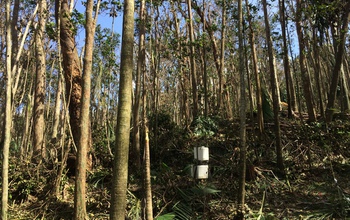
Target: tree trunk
x: 192, y: 61
x: 260, y: 116
x: 57, y: 114
x: 14, y: 30
x: 340, y: 46
x: 8, y: 117
x: 305, y: 76
x: 147, y: 161
x: 317, y: 69
x: 39, y: 151
x: 345, y: 92
x: 84, y: 137
x: 242, y: 116
x: 205, y: 70
x: 71, y: 66
x: 140, y: 69
x: 120, y: 169
x: 274, y: 91
x: 184, y: 109
x: 289, y: 79
x: 222, y: 59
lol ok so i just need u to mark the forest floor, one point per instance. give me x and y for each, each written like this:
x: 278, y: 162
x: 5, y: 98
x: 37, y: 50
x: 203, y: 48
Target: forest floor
x: 316, y: 158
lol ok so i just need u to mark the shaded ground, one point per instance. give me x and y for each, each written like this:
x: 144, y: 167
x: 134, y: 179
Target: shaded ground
x: 317, y: 185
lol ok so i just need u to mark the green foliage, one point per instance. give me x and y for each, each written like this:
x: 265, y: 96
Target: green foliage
x: 100, y: 177
x: 192, y: 199
x: 77, y: 20
x: 182, y: 211
x: 101, y: 149
x: 51, y: 30
x: 106, y: 44
x: 133, y: 206
x: 26, y: 180
x: 168, y: 216
x: 204, y: 127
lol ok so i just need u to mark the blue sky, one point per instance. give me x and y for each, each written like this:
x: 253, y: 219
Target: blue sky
x: 103, y: 19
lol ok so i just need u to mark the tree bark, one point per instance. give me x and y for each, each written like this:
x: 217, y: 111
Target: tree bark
x: 289, y: 80
x: 71, y: 66
x: 192, y: 61
x: 317, y: 69
x: 305, y: 75
x: 57, y: 114
x: 147, y: 161
x: 222, y: 59
x: 14, y: 34
x: 275, y: 99
x: 120, y: 169
x: 140, y: 69
x: 242, y: 116
x: 260, y: 117
x: 8, y: 116
x: 340, y: 46
x: 39, y: 151
x: 84, y: 138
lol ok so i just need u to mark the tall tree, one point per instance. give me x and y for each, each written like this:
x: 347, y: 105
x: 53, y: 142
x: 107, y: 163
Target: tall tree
x: 39, y: 150
x: 291, y: 99
x: 340, y: 50
x: 275, y: 98
x: 84, y: 138
x: 8, y: 115
x: 222, y: 56
x: 305, y: 75
x: 14, y: 29
x: 71, y: 65
x: 192, y: 60
x: 147, y: 160
x: 260, y: 115
x: 137, y: 103
x: 121, y: 155
x: 242, y: 116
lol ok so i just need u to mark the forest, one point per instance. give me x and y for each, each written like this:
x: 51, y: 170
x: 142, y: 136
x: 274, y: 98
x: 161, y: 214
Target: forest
x: 175, y: 109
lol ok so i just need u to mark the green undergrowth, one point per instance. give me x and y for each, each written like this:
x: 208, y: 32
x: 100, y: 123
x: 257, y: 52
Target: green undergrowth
x: 316, y: 186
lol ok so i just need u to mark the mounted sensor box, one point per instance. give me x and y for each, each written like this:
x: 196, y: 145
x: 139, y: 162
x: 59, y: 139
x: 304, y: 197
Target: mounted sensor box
x: 200, y: 171
x: 201, y: 153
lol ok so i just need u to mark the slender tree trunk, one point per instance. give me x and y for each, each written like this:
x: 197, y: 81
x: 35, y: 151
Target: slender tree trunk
x: 26, y: 131
x: 274, y: 91
x: 256, y: 73
x: 8, y: 117
x: 217, y: 59
x: 57, y: 115
x: 192, y: 61
x: 222, y: 57
x: 184, y: 110
x: 71, y: 66
x: 345, y: 90
x: 340, y: 46
x: 205, y: 71
x: 120, y: 169
x: 306, y: 79
x: 39, y: 151
x: 242, y: 116
x: 84, y: 138
x: 140, y: 68
x: 249, y: 83
x: 147, y: 160
x: 16, y: 69
x: 317, y: 69
x: 14, y: 31
x: 289, y: 80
